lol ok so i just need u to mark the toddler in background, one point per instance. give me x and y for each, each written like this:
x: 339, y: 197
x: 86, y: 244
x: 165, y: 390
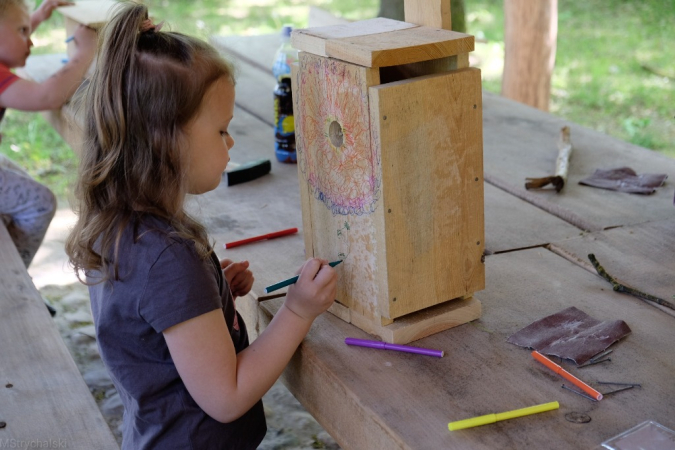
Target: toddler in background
x: 26, y: 206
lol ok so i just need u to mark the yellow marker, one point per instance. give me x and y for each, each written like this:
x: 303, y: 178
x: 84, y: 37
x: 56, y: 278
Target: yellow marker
x: 492, y: 418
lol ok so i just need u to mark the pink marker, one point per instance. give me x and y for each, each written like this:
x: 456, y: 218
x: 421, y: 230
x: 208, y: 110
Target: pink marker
x: 395, y: 347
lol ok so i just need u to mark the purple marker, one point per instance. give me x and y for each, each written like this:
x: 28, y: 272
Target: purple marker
x: 396, y: 347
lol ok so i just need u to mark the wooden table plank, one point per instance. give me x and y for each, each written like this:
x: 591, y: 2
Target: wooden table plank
x: 43, y: 397
x: 405, y: 401
x: 511, y: 223
x: 640, y: 256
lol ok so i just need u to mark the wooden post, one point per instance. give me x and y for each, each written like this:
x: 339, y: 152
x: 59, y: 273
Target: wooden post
x: 429, y: 13
x: 530, y: 35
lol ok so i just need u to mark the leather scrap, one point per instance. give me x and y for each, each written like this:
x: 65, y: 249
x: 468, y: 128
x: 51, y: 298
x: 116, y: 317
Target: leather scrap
x: 570, y: 334
x: 625, y: 179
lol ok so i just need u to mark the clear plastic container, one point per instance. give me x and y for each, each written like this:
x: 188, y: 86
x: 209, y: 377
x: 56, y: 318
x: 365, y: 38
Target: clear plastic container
x: 648, y: 435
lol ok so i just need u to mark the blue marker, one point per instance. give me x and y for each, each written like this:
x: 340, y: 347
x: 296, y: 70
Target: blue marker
x: 70, y: 39
x: 290, y: 281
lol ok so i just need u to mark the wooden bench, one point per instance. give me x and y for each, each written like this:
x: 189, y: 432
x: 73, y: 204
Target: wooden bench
x: 44, y: 401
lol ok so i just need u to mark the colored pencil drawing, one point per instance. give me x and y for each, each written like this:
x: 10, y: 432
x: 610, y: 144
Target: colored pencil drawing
x: 334, y: 149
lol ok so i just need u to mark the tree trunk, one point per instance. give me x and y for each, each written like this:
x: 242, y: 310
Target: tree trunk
x: 458, y: 16
x: 391, y: 9
x: 530, y: 34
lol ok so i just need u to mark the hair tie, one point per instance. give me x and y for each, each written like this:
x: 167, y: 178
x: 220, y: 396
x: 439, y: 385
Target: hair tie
x: 147, y: 25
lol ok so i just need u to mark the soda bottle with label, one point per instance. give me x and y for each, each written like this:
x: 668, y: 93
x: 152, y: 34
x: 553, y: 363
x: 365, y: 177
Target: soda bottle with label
x: 284, y: 124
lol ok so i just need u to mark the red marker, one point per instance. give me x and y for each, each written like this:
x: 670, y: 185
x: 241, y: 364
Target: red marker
x: 261, y: 238
x: 566, y: 375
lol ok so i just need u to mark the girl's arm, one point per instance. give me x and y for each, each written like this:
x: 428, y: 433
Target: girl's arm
x: 44, y: 12
x: 225, y: 384
x: 56, y: 90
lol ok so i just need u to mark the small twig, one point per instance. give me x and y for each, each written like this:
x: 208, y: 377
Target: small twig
x: 618, y: 287
x: 561, y: 166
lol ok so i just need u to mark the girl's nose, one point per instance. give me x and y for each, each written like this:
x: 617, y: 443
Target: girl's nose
x: 30, y: 42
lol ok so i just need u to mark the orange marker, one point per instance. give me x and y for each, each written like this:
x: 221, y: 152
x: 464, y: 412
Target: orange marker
x: 566, y: 375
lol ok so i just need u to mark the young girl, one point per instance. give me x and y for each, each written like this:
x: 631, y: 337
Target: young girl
x: 26, y: 205
x: 158, y: 110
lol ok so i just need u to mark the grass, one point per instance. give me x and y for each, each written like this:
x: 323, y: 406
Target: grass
x: 615, y: 67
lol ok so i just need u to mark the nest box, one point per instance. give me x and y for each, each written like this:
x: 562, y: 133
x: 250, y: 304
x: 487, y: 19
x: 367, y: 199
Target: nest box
x: 389, y: 139
x: 93, y: 14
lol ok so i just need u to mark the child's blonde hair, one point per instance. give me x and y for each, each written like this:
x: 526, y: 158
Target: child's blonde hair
x: 6, y: 5
x: 147, y: 86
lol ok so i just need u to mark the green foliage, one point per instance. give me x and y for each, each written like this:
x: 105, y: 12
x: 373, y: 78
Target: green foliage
x: 615, y: 65
x: 615, y: 68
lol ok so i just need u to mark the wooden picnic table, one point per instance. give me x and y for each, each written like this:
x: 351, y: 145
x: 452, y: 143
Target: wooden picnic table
x: 536, y: 265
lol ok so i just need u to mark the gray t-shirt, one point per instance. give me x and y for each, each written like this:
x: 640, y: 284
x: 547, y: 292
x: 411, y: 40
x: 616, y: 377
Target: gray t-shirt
x: 163, y: 283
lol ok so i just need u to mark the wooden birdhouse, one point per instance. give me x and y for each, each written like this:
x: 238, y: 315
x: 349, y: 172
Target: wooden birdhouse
x: 91, y: 13
x: 388, y: 123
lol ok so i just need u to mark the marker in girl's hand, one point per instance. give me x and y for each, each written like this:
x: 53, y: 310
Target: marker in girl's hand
x: 70, y: 39
x: 292, y: 280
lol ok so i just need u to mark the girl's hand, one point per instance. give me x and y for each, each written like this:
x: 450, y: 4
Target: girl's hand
x: 238, y: 277
x: 315, y: 290
x: 46, y: 9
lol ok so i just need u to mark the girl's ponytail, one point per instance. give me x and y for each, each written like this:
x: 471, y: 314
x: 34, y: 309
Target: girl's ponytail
x: 107, y: 103
x: 147, y: 86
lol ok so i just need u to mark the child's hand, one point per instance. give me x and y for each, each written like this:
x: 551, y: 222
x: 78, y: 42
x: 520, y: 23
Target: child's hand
x: 238, y: 277
x: 47, y: 7
x: 85, y: 41
x: 315, y: 290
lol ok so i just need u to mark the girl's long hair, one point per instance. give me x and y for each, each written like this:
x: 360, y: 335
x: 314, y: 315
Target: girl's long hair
x: 146, y: 88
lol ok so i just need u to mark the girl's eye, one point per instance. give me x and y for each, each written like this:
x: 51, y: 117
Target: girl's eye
x: 224, y: 133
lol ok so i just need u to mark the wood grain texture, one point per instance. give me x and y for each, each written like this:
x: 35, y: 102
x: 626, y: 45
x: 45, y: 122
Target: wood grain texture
x: 43, y: 395
x: 530, y: 37
x: 430, y: 13
x: 428, y: 131
x: 314, y: 40
x: 406, y: 46
x: 512, y: 223
x: 381, y: 42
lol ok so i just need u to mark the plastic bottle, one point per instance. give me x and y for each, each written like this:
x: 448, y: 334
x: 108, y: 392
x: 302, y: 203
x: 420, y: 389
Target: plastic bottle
x: 284, y: 124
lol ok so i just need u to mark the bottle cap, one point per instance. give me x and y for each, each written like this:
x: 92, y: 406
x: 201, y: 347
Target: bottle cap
x: 286, y: 31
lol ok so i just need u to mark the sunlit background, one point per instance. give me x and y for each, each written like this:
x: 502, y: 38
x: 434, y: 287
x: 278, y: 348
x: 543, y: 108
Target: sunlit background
x: 615, y: 66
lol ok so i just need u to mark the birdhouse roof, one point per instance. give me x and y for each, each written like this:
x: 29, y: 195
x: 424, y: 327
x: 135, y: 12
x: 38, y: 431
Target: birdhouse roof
x: 92, y: 13
x: 381, y: 42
